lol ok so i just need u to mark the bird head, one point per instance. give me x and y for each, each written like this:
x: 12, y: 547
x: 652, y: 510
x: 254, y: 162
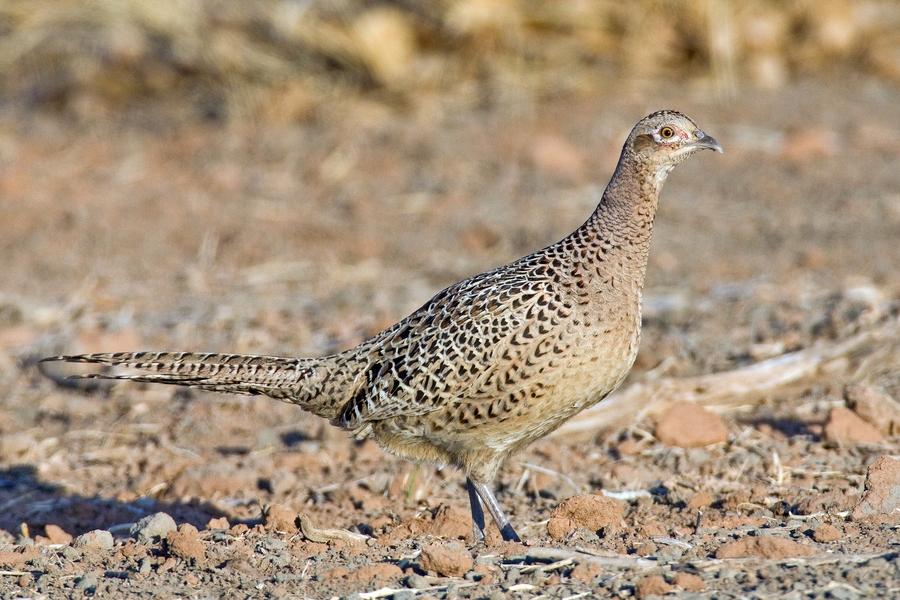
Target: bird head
x: 668, y: 137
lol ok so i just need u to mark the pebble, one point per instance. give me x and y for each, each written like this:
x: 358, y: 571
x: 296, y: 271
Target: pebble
x: 153, y: 527
x: 185, y: 545
x: 99, y: 539
x: 687, y: 425
x: 689, y: 582
x: 281, y: 519
x: 273, y: 543
x: 145, y: 566
x: 87, y: 582
x: 591, y: 512
x: 826, y: 533
x: 71, y: 553
x: 449, y: 559
x: 56, y: 535
x: 416, y: 582
x: 652, y: 585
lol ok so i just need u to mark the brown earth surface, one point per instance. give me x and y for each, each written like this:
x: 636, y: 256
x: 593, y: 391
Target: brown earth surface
x: 306, y: 239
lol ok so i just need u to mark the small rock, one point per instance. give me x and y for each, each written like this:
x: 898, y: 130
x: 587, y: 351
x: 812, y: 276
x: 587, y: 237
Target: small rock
x: 654, y: 584
x: 881, y: 498
x: 687, y: 425
x: 273, y: 544
x: 167, y: 565
x: 416, y: 582
x: 281, y: 519
x: 185, y: 545
x: 592, y: 512
x: 689, y: 582
x: 451, y: 522
x: 99, y: 539
x: 874, y: 406
x: 87, y: 582
x: 700, y: 500
x: 71, y: 553
x: 56, y: 535
x: 153, y: 527
x: 189, y: 529
x: 826, y: 533
x: 766, y: 547
x: 846, y: 427
x: 447, y: 560
x: 145, y: 566
x: 218, y: 523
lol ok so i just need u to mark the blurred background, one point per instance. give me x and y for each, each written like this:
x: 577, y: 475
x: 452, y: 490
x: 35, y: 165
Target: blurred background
x: 287, y: 61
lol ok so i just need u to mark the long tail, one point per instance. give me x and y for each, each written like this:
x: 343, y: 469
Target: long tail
x: 316, y: 384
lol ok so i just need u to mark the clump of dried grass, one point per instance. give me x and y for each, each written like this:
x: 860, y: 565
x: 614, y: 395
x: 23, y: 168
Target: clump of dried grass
x: 282, y: 59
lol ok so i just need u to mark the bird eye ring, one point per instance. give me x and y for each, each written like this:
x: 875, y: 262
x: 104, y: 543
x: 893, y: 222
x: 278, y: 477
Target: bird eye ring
x: 666, y: 132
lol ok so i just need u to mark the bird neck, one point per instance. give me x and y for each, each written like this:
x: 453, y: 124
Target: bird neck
x: 623, y: 220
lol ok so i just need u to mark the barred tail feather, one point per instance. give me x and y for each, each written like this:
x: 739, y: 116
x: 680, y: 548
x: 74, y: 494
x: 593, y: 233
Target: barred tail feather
x: 278, y: 377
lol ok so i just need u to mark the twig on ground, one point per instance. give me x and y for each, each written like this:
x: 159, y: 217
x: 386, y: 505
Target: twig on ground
x: 560, y: 554
x: 324, y: 536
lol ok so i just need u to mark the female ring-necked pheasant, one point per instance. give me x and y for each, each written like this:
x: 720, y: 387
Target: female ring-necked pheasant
x: 492, y: 363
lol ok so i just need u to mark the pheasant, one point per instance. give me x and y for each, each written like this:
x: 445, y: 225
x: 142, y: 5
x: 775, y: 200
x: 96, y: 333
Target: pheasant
x: 492, y: 363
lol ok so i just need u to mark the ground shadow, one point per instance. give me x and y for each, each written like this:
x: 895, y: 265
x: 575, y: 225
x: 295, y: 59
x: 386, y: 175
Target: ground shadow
x: 25, y: 499
x: 788, y: 426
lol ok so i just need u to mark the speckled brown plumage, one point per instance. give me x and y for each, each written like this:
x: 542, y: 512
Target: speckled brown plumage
x: 491, y: 363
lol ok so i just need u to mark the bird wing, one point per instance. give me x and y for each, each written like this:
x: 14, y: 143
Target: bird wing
x: 469, y: 342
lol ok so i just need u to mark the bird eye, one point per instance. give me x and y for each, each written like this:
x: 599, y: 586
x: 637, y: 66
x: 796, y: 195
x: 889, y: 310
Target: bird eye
x: 666, y: 132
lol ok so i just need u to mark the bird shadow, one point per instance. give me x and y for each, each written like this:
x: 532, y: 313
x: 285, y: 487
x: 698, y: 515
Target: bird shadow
x: 788, y: 427
x: 26, y: 500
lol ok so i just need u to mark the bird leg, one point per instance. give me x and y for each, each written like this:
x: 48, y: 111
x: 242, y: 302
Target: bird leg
x: 487, y: 497
x: 477, y: 512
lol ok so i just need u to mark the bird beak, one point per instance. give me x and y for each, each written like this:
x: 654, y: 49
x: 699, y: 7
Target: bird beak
x: 707, y: 142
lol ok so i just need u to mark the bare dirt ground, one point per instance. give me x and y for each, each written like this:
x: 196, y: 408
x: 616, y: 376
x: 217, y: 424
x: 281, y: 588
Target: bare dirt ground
x: 305, y: 240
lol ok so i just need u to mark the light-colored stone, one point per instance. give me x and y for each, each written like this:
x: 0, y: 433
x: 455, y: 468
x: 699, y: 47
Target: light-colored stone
x: 153, y: 527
